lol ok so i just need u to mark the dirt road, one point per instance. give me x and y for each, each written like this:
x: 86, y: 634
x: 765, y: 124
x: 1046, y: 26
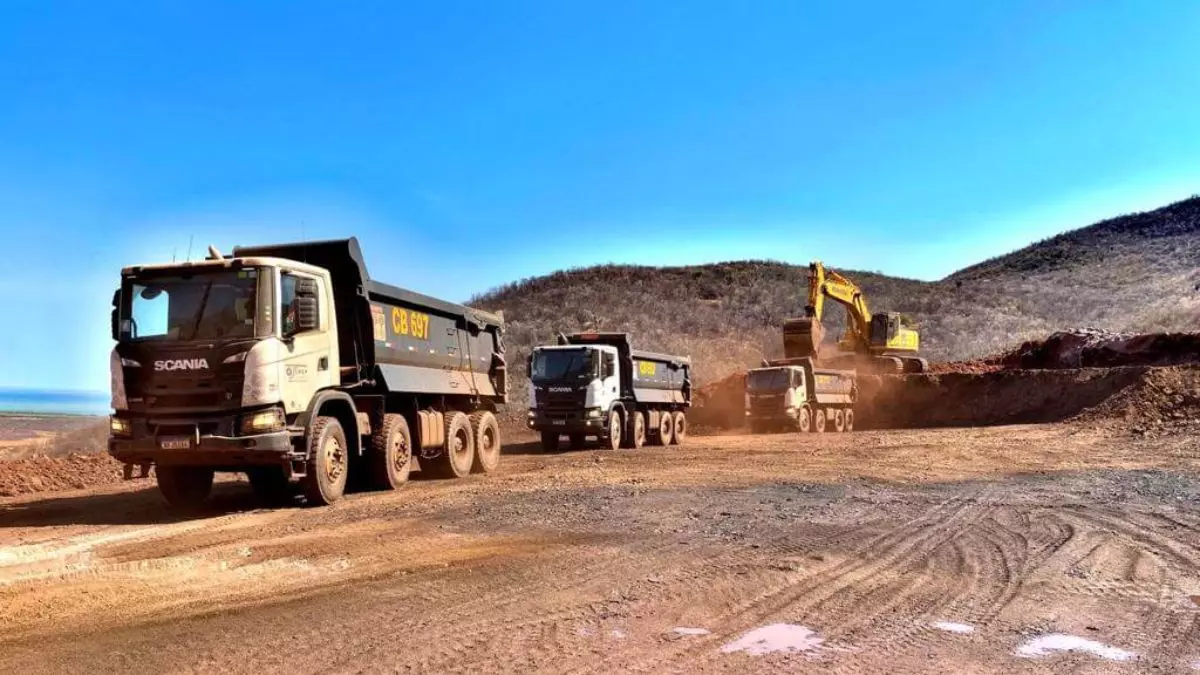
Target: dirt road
x: 976, y: 550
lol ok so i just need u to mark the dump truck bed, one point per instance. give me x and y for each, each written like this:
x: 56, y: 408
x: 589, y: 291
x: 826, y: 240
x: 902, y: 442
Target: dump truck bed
x: 399, y: 340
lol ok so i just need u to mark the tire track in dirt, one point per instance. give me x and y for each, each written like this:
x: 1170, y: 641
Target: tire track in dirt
x: 911, y: 540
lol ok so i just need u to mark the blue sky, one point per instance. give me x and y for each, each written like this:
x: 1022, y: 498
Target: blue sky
x: 469, y: 144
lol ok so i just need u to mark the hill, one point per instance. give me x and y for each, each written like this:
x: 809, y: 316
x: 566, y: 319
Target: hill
x: 1139, y: 272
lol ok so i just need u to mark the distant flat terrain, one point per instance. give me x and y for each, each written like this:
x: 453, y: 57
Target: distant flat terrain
x: 27, y: 434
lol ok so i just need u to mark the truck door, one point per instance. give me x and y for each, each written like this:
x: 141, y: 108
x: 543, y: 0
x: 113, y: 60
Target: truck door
x: 610, y: 379
x: 308, y: 359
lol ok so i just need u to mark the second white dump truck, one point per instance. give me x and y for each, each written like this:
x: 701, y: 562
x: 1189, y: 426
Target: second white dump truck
x: 596, y: 384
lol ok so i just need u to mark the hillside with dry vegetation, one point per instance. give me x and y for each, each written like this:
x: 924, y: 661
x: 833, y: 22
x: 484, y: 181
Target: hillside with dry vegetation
x: 1133, y: 273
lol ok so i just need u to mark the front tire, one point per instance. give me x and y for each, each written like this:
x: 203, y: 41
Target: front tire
x: 612, y: 438
x: 679, y: 432
x: 270, y: 485
x: 487, y: 442
x: 458, y: 454
x: 184, y: 487
x: 804, y: 420
x: 391, y: 453
x: 328, y: 462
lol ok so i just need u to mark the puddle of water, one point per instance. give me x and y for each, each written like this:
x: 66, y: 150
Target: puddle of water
x: 691, y: 631
x: 778, y: 637
x: 1058, y: 642
x: 954, y: 627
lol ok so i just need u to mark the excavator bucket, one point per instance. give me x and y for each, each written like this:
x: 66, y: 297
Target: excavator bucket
x: 802, y: 338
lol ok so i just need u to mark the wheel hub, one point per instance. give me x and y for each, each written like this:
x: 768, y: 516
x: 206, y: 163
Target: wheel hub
x: 334, y: 459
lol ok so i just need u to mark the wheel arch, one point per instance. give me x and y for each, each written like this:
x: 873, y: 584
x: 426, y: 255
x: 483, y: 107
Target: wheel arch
x: 339, y: 405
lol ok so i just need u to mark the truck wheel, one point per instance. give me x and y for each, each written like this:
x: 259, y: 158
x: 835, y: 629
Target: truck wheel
x: 270, y: 484
x: 839, y: 421
x: 612, y: 438
x: 804, y: 420
x: 549, y: 441
x: 184, y: 487
x: 390, y: 462
x: 819, y: 424
x: 849, y: 420
x: 665, y: 426
x: 328, y: 462
x: 487, y: 442
x: 635, y: 431
x: 679, y: 432
x: 458, y: 454
x: 577, y: 441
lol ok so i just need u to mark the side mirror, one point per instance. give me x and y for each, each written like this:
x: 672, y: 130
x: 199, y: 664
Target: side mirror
x: 306, y: 313
x: 116, y: 320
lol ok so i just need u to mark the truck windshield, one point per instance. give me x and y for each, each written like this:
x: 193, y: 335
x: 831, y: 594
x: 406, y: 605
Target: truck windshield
x: 199, y: 304
x: 768, y: 380
x: 561, y: 364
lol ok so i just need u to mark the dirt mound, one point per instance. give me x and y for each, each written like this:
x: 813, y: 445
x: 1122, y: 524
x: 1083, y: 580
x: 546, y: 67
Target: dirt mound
x: 990, y: 398
x: 1161, y: 397
x: 1090, y: 348
x: 43, y: 474
x: 719, y: 405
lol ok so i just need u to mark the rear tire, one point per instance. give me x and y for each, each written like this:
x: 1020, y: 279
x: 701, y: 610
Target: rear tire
x: 549, y: 441
x: 819, y: 422
x: 679, y: 432
x: 578, y: 441
x: 804, y: 420
x: 612, y: 437
x: 849, y: 420
x: 328, y: 462
x: 270, y: 485
x: 487, y: 442
x: 635, y: 431
x: 458, y: 453
x: 184, y: 487
x: 665, y: 426
x: 839, y: 422
x: 390, y: 462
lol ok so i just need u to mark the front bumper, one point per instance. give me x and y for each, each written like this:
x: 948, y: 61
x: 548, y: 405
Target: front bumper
x: 565, y: 421
x: 775, y: 415
x: 201, y: 444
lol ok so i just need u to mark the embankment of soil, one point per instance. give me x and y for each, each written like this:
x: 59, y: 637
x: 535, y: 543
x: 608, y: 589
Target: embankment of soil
x: 43, y: 474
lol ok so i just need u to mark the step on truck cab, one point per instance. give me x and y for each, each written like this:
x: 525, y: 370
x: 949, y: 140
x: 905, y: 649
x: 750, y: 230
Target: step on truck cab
x: 290, y: 364
x: 794, y: 395
x: 597, y: 385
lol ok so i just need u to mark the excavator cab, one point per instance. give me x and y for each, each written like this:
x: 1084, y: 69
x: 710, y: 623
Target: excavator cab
x: 885, y: 326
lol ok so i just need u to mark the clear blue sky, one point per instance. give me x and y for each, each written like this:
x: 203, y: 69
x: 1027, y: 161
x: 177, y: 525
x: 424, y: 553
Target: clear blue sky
x: 468, y: 144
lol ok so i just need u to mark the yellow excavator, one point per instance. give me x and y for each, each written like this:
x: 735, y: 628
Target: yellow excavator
x: 887, y: 340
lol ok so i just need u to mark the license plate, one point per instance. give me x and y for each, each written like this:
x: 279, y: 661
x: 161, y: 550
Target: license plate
x: 175, y: 443
x: 558, y: 422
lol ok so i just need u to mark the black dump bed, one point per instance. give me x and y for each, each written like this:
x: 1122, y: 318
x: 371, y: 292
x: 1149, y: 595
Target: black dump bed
x: 646, y: 377
x: 399, y: 340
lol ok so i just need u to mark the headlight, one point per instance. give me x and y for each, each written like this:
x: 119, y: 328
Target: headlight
x: 236, y: 358
x: 130, y: 363
x: 263, y: 421
x: 790, y: 409
x: 593, y: 412
x: 119, y: 427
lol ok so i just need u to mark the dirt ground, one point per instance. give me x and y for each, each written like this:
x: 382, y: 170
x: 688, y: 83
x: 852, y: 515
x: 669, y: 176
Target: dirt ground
x: 941, y: 550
